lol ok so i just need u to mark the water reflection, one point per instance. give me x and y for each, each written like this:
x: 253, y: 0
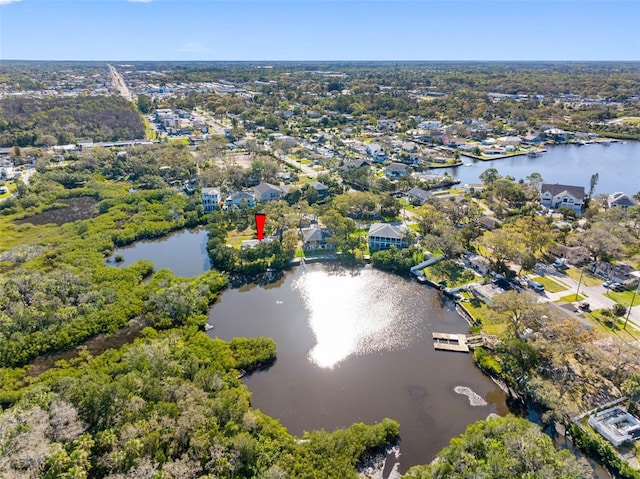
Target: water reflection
x: 350, y: 317
x: 356, y: 346
x: 183, y: 252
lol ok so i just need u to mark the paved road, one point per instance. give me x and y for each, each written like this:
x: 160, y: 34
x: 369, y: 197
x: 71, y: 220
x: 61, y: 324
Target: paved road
x: 117, y: 82
x: 306, y: 169
x: 218, y: 127
x: 596, y: 296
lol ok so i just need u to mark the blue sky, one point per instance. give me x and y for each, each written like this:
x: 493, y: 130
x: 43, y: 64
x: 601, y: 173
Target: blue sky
x: 319, y: 30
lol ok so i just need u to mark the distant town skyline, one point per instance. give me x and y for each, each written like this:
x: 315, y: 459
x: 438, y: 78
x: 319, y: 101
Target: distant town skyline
x: 316, y: 30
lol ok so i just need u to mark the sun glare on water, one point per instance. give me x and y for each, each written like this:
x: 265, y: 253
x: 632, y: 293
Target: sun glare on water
x: 351, y: 316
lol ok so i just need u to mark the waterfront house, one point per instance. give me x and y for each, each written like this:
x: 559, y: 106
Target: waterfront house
x: 620, y: 200
x: 210, y: 199
x: 477, y: 263
x: 395, y: 171
x: 556, y: 196
x: 417, y: 195
x: 267, y: 192
x: 509, y: 140
x: 385, y: 235
x: 315, y: 238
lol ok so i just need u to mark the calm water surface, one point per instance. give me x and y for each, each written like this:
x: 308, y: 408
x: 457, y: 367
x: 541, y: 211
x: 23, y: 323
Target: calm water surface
x: 184, y: 252
x: 617, y: 165
x: 356, y: 346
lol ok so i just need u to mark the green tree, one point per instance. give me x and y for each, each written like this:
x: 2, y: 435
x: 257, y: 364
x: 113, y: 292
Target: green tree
x: 503, y: 448
x: 489, y: 175
x: 144, y: 104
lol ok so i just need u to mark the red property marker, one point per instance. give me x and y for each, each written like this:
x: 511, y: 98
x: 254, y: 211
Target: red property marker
x: 260, y: 219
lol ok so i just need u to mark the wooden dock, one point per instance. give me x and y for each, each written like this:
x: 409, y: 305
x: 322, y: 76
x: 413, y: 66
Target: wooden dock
x: 462, y: 343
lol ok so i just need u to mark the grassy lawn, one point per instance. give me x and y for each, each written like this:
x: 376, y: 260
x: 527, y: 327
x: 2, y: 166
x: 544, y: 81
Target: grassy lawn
x: 303, y: 180
x: 495, y: 329
x: 235, y: 238
x: 476, y: 307
x: 479, y: 311
x: 587, y: 279
x: 623, y: 297
x: 570, y: 298
x: 179, y: 141
x: 550, y: 285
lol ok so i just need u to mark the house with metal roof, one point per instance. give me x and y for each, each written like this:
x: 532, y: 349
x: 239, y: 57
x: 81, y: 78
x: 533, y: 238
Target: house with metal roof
x: 385, y: 235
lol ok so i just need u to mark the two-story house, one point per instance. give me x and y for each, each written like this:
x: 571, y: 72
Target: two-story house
x: 267, y: 192
x: 555, y: 196
x: 376, y: 152
x: 240, y: 199
x: 385, y: 235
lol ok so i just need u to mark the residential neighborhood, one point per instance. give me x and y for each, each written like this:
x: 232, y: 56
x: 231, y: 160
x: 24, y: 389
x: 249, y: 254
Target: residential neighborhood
x: 463, y: 193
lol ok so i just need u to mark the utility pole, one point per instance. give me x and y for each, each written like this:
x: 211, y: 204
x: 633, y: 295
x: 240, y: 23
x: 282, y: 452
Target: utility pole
x: 633, y: 298
x: 579, y: 284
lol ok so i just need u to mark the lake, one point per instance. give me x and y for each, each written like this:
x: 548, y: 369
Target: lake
x: 184, y: 252
x: 617, y: 165
x: 356, y: 346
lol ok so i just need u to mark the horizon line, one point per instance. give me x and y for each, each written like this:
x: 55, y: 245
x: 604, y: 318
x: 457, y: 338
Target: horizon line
x: 321, y: 61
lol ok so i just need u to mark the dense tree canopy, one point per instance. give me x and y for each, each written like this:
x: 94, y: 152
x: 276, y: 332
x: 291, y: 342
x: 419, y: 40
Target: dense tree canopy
x: 38, y: 121
x: 503, y: 448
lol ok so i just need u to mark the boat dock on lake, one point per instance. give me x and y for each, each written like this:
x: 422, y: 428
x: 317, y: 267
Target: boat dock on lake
x: 462, y: 343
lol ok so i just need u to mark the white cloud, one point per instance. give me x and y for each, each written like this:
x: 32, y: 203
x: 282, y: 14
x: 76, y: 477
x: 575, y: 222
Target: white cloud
x: 136, y: 1
x: 7, y: 2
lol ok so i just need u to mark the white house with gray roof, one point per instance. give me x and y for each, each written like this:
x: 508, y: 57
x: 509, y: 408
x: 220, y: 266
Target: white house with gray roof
x: 555, y: 196
x: 210, y: 199
x: 385, y: 235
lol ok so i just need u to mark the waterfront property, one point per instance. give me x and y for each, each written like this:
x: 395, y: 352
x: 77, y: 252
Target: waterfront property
x: 555, y: 196
x: 210, y: 199
x: 315, y: 238
x: 417, y: 195
x: 385, y: 235
x: 617, y: 425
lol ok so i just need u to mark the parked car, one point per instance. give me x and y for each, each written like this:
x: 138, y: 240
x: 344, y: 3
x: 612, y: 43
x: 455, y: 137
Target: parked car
x: 560, y: 264
x: 617, y: 287
x: 534, y: 285
x: 607, y: 284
